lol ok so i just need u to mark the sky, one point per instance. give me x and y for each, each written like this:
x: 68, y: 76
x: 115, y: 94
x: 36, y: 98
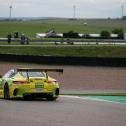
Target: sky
x: 63, y: 8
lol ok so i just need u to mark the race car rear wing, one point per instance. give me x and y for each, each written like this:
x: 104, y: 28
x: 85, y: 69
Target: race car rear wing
x: 38, y: 70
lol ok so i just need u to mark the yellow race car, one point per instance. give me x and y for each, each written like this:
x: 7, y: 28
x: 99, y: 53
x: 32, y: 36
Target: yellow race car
x: 29, y: 83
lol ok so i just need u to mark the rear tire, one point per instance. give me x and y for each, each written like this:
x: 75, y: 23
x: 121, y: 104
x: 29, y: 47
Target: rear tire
x: 54, y: 95
x: 6, y: 92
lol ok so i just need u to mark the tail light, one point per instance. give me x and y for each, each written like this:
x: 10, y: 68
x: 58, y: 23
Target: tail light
x: 52, y: 82
x: 20, y: 82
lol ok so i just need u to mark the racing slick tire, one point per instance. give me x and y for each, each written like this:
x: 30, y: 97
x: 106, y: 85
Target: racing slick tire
x: 6, y: 92
x: 53, y: 96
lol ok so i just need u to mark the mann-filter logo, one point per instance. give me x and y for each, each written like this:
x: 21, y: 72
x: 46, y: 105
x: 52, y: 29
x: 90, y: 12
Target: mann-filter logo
x: 39, y: 85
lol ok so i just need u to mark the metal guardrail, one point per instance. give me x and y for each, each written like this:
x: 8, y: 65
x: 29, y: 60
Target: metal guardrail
x: 12, y: 39
x: 69, y: 41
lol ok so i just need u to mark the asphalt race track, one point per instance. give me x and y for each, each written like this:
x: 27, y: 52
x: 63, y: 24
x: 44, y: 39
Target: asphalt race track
x: 66, y: 111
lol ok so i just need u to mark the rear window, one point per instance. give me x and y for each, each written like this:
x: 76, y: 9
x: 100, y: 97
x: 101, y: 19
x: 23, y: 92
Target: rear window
x: 33, y: 74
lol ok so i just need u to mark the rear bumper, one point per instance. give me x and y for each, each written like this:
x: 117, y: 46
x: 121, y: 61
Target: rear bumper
x: 35, y: 94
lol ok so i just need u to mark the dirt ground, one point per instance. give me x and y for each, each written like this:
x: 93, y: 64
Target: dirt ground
x: 80, y: 77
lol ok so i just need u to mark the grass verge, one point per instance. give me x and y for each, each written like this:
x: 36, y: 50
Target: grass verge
x: 30, y: 28
x: 112, y: 51
x: 94, y: 94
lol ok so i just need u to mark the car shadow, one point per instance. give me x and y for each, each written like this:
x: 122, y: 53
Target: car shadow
x: 32, y: 100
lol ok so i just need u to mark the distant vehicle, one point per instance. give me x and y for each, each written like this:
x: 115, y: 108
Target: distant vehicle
x: 51, y: 33
x: 29, y: 83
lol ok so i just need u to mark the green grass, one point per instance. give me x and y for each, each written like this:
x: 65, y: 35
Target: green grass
x: 30, y: 28
x: 31, y: 43
x: 52, y: 50
x: 94, y: 94
x: 113, y: 97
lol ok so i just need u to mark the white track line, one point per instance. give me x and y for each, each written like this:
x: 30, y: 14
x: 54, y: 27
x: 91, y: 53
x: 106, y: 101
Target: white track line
x: 92, y: 99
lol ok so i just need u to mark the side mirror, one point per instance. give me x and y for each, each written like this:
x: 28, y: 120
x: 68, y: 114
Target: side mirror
x: 0, y: 76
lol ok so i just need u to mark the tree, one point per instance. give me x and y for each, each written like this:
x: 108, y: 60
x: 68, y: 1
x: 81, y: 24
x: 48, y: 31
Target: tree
x: 119, y: 32
x: 124, y: 17
x: 105, y: 34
